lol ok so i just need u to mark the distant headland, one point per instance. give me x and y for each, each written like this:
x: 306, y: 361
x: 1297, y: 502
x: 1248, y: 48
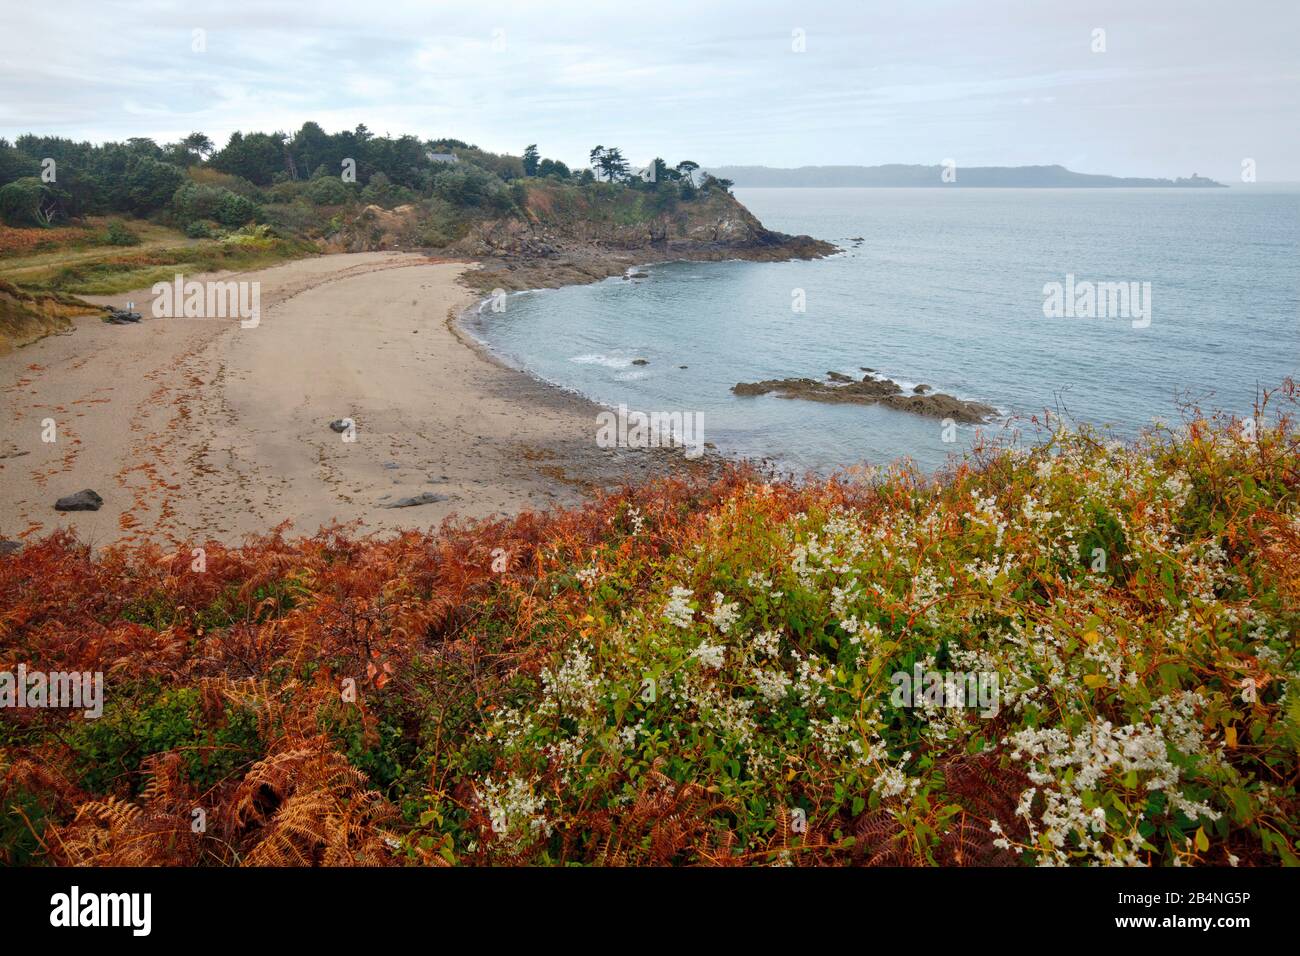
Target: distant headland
x: 897, y: 174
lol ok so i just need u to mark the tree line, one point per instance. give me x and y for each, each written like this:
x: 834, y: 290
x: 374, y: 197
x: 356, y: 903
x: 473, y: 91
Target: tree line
x: 44, y: 179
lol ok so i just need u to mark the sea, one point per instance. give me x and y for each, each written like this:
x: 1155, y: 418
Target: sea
x: 977, y: 293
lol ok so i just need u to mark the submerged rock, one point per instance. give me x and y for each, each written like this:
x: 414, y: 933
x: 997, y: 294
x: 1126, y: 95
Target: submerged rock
x: 870, y: 391
x: 85, y: 500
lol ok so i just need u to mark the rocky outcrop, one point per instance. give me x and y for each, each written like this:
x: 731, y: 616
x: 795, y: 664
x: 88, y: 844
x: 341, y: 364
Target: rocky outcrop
x: 567, y: 235
x: 841, y: 389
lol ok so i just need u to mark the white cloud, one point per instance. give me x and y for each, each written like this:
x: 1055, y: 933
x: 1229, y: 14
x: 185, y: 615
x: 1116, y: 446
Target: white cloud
x: 999, y: 80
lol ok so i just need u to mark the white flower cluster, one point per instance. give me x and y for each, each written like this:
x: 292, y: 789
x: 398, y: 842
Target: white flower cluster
x: 766, y: 644
x: 514, y: 809
x: 1178, y: 488
x: 679, y: 610
x: 987, y: 511
x: 770, y: 684
x: 1064, y: 768
x: 810, y: 682
x: 710, y: 656
x: 638, y: 522
x: 724, y: 614
x: 572, y: 686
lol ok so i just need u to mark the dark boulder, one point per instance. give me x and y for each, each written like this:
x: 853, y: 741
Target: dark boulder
x: 85, y: 500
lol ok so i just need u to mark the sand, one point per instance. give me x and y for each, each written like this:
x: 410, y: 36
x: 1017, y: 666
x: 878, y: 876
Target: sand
x: 197, y: 429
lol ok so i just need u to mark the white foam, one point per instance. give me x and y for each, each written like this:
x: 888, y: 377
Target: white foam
x: 608, y: 361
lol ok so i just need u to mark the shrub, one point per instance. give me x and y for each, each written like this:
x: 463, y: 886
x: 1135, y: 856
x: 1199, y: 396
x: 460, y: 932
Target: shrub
x: 117, y: 234
x: 683, y: 671
x: 465, y: 185
x: 198, y: 201
x: 150, y: 183
x: 21, y: 202
x: 287, y: 192
x: 329, y: 191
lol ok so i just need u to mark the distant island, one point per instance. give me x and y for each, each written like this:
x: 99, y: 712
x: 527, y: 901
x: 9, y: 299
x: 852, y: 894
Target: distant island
x: 898, y: 174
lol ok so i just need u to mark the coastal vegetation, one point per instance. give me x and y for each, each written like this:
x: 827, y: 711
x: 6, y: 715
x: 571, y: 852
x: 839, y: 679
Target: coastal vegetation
x: 699, y: 672
x: 308, y: 185
x: 81, y: 218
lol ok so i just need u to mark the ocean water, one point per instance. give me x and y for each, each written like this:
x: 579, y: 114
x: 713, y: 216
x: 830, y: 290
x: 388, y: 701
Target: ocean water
x: 945, y: 288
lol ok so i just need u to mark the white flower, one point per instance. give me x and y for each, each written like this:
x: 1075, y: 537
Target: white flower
x: 710, y: 656
x: 638, y: 523
x: 771, y: 685
x: 572, y: 685
x: 679, y: 610
x: 767, y: 644
x: 723, y: 614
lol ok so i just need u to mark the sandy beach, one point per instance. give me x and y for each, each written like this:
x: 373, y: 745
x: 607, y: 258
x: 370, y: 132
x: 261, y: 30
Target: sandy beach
x: 191, y: 429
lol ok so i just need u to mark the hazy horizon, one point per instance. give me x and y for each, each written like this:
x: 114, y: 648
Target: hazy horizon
x: 1175, y: 91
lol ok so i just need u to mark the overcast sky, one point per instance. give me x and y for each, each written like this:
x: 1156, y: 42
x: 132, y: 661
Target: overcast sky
x: 1182, y: 86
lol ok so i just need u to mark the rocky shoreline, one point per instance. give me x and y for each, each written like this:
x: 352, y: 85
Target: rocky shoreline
x: 871, y: 390
x: 515, y: 255
x: 552, y: 243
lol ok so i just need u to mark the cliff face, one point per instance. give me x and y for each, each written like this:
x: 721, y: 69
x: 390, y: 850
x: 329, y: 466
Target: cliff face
x: 628, y: 221
x: 566, y: 235
x: 563, y: 240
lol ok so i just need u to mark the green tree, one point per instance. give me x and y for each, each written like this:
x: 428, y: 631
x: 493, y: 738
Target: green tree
x: 531, y: 160
x: 656, y: 173
x: 25, y: 202
x: 553, y: 168
x: 150, y: 184
x: 710, y: 181
x: 610, y: 162
x: 199, y: 145
x: 15, y: 164
x: 257, y: 157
